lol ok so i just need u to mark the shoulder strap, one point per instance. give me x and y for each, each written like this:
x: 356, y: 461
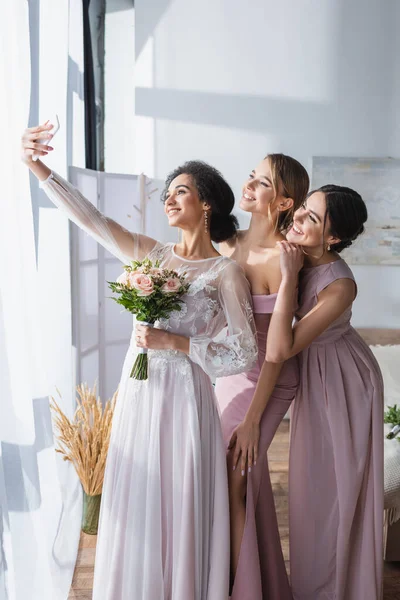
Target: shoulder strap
x: 334, y: 271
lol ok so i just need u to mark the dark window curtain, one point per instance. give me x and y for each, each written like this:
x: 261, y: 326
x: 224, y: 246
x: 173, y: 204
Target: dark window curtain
x: 89, y: 85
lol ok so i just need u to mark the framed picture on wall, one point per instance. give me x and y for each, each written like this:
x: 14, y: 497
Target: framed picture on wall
x: 378, y: 182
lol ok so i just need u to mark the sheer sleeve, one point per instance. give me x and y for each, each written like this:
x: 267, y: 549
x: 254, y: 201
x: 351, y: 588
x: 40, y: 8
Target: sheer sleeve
x: 123, y: 244
x: 237, y: 351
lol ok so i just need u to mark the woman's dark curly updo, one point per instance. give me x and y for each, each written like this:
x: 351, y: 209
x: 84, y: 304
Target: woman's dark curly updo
x: 213, y: 189
x: 347, y: 213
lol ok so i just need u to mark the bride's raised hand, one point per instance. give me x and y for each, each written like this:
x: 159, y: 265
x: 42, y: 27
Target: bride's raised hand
x: 32, y: 142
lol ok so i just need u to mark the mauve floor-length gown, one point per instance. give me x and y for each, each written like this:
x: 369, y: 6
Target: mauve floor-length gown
x: 261, y: 572
x: 336, y: 459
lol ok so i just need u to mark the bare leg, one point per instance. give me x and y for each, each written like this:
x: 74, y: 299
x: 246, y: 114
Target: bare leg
x: 237, y: 510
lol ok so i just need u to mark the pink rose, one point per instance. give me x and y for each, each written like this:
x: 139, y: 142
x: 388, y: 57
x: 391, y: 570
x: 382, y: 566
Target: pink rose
x: 171, y: 286
x: 130, y: 277
x: 142, y: 283
x: 156, y: 272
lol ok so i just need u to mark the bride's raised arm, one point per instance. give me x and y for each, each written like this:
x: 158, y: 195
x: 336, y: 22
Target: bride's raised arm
x: 123, y: 244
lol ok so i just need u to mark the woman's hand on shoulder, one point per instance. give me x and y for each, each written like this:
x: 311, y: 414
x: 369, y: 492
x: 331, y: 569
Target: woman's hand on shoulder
x: 291, y: 259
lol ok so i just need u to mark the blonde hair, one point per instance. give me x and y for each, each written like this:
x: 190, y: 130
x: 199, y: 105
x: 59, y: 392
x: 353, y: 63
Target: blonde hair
x: 290, y: 179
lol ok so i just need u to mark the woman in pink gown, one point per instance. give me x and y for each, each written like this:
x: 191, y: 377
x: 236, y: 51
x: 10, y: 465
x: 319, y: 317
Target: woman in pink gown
x: 254, y: 403
x: 336, y: 447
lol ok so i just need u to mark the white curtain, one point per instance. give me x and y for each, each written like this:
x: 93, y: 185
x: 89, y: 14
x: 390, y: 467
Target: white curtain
x: 40, y: 497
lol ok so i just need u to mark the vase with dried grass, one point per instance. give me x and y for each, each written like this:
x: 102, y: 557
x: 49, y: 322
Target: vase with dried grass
x: 84, y: 442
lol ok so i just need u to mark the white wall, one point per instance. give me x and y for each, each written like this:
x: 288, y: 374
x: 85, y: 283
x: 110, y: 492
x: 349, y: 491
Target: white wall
x: 229, y: 82
x: 119, y: 93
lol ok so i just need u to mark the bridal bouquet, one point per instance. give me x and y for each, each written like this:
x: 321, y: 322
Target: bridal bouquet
x: 150, y: 293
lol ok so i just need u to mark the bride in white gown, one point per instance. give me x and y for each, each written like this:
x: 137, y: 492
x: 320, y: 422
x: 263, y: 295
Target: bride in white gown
x: 164, y: 521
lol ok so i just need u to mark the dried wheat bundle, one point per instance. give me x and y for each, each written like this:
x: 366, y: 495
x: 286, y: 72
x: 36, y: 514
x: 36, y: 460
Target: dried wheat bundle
x: 84, y: 440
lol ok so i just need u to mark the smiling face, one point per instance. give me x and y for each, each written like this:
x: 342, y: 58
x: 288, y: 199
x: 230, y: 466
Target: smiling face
x: 263, y: 193
x: 182, y: 205
x: 311, y: 226
x: 258, y: 191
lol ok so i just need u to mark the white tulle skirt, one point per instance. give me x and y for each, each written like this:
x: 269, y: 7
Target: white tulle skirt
x: 164, y: 520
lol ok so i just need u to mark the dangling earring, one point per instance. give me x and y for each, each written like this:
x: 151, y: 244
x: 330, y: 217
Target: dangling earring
x: 206, y: 221
x: 329, y: 248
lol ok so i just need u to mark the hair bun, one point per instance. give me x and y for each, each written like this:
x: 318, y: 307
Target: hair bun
x: 346, y: 243
x: 359, y: 232
x: 340, y: 246
x: 223, y: 227
x: 347, y: 213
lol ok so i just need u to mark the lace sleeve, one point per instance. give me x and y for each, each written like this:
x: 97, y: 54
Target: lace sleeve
x: 237, y: 351
x: 123, y: 244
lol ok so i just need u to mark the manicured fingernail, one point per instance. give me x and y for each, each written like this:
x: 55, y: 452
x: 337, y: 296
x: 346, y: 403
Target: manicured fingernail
x: 234, y: 467
x: 249, y: 469
x: 255, y: 462
x: 50, y: 148
x: 242, y: 473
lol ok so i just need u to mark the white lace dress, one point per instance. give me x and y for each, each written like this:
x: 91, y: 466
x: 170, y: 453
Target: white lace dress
x: 164, y: 521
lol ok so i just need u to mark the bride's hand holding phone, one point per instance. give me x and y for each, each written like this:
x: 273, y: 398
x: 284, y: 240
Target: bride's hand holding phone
x: 35, y: 144
x: 35, y: 140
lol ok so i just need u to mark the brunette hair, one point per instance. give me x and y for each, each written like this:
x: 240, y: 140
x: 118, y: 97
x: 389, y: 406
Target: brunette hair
x: 289, y: 178
x: 347, y: 214
x: 213, y: 189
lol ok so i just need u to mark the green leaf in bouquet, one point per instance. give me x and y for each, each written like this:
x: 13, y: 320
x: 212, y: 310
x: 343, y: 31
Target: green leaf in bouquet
x: 392, y: 415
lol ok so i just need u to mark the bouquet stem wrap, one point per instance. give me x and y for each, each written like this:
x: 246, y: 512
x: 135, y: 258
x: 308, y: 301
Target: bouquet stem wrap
x: 140, y: 367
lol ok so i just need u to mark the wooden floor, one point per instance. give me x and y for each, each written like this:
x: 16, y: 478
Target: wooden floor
x: 278, y: 462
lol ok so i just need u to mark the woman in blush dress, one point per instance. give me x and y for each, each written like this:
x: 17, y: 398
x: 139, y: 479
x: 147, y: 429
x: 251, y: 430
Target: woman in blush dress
x: 164, y: 524
x: 336, y: 446
x: 253, y: 404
